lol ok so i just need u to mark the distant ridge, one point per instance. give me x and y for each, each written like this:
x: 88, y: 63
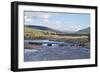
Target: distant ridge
x: 44, y: 28
x: 38, y: 27
x: 41, y: 28
x: 84, y: 31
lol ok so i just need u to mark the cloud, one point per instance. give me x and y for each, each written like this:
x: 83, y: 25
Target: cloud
x: 57, y: 22
x: 58, y: 25
x: 31, y: 16
x: 45, y: 19
x: 46, y: 16
x: 27, y: 19
x: 37, y: 15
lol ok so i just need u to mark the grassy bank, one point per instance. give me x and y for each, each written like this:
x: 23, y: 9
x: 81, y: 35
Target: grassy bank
x: 80, y: 40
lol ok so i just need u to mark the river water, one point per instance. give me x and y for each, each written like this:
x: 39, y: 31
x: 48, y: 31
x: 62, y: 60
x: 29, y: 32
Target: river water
x: 45, y: 53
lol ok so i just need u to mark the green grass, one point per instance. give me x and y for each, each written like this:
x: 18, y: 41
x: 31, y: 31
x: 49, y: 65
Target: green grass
x: 36, y: 33
x: 32, y: 33
x: 27, y: 29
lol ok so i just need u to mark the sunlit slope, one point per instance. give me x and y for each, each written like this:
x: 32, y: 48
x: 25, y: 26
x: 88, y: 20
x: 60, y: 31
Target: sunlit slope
x: 36, y: 33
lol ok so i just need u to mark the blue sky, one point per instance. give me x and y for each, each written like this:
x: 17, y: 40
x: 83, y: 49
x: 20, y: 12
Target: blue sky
x: 57, y: 20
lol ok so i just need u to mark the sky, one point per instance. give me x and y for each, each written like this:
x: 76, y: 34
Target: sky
x: 58, y: 20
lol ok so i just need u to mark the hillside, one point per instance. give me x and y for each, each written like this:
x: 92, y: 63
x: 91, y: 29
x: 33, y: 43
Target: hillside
x: 37, y: 33
x: 41, y: 28
x: 84, y: 31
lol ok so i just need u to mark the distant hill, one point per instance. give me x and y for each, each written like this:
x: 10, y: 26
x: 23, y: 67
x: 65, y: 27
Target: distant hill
x: 84, y: 31
x: 36, y: 33
x: 44, y: 28
x: 41, y: 28
x: 41, y: 32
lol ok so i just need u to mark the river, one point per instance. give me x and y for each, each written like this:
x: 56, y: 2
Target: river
x: 45, y: 53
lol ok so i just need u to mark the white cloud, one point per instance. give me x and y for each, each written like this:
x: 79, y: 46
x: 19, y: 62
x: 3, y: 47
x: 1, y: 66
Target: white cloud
x: 30, y: 16
x: 28, y: 19
x: 46, y: 16
x: 58, y: 25
x: 57, y: 22
x: 37, y: 15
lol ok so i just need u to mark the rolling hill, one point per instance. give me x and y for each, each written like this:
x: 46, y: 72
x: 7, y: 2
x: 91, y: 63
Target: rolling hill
x: 84, y: 31
x: 41, y: 28
x: 38, y: 32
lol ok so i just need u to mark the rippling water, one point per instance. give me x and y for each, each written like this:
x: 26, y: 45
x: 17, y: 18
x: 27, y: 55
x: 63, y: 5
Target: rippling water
x: 56, y: 53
